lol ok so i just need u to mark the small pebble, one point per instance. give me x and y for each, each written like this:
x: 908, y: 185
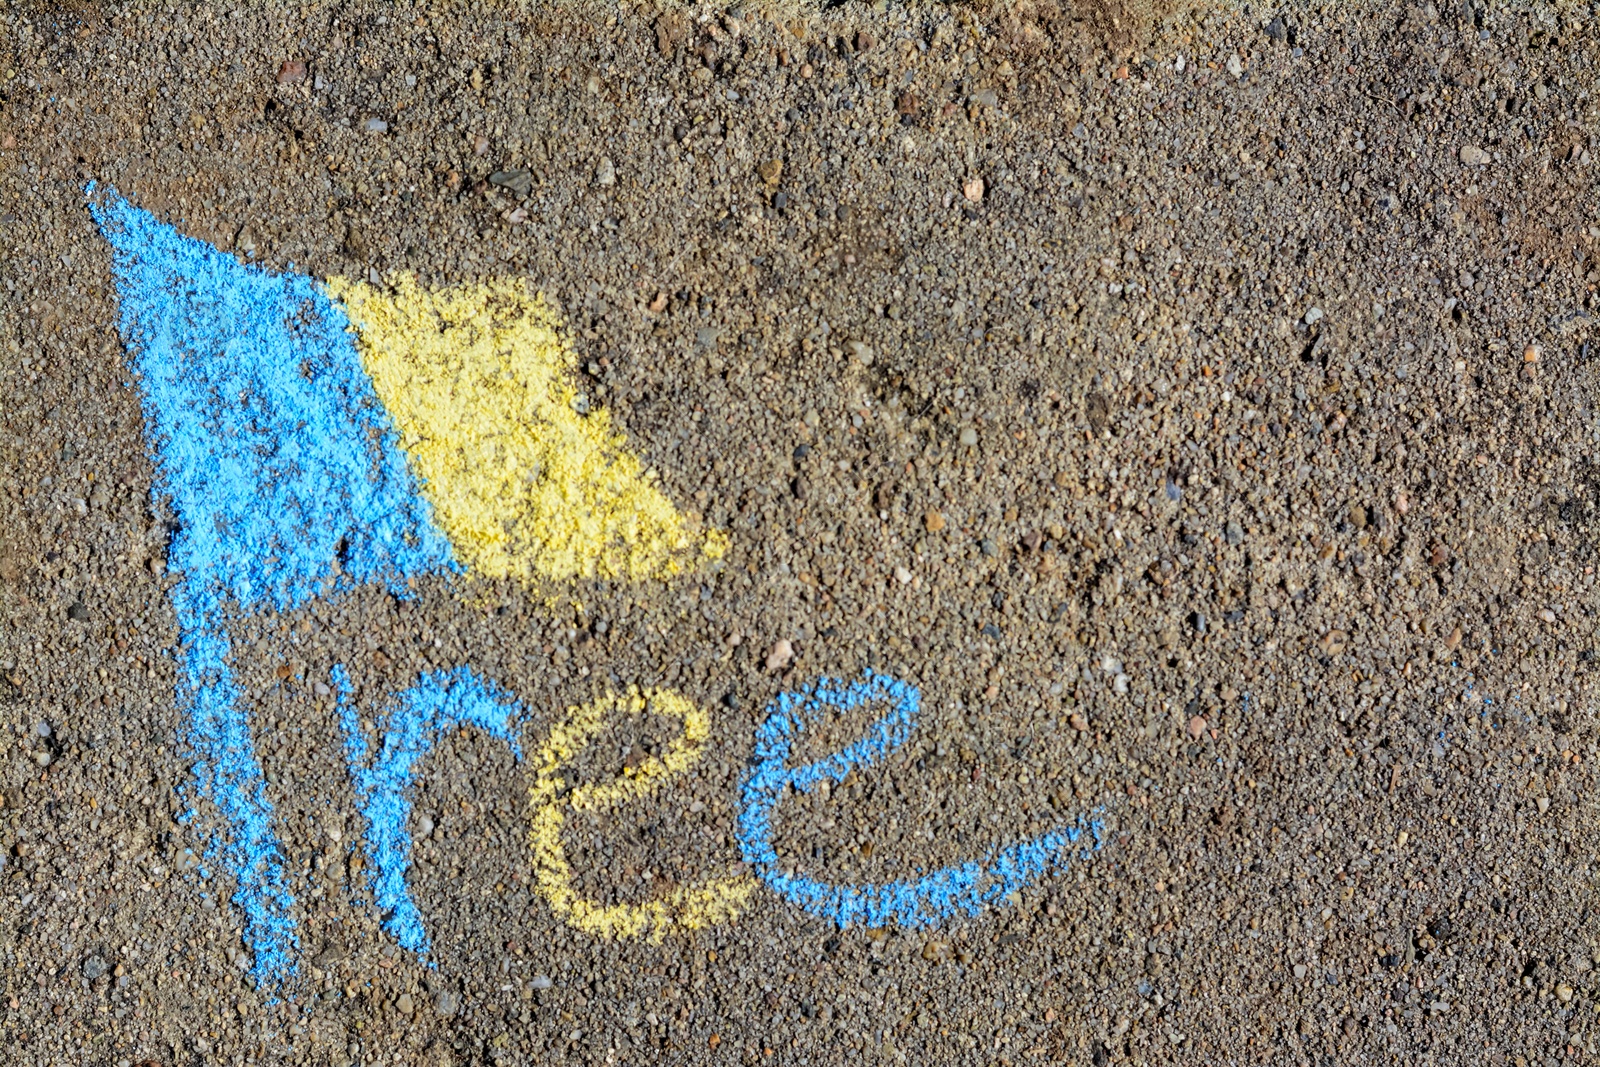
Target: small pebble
x: 446, y: 1003
x: 972, y: 189
x: 541, y: 981
x: 403, y: 1004
x: 375, y: 125
x: 902, y: 575
x: 518, y: 181
x: 934, y: 521
x: 1197, y: 726
x: 93, y: 967
x: 1473, y: 156
x: 782, y: 652
x: 605, y: 172
x: 969, y: 437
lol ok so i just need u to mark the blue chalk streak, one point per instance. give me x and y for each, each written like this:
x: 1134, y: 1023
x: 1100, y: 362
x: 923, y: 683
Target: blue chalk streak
x: 966, y: 888
x: 438, y: 703
x: 287, y: 482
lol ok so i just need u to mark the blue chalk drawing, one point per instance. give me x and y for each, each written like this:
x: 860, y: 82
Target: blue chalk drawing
x: 287, y: 482
x: 966, y: 888
x: 439, y: 702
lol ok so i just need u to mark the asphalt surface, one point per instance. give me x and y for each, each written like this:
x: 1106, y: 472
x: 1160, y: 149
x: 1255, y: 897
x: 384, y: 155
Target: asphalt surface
x: 1196, y: 408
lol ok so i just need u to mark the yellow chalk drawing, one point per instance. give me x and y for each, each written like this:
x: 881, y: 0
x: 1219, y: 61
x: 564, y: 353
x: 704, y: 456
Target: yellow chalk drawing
x: 685, y: 909
x: 523, y: 478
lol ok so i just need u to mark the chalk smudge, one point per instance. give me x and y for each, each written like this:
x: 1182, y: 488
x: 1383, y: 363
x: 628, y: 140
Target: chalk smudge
x: 685, y: 908
x: 287, y: 483
x: 409, y: 727
x: 965, y: 888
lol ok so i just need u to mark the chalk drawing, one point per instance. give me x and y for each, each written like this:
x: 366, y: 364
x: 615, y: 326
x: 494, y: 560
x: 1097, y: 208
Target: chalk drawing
x: 300, y: 464
x: 925, y: 901
x: 524, y: 476
x: 440, y: 702
x: 289, y: 481
x: 286, y: 481
x: 685, y: 908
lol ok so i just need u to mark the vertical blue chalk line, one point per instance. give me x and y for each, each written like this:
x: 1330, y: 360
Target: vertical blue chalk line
x: 925, y: 901
x: 408, y: 728
x: 287, y: 482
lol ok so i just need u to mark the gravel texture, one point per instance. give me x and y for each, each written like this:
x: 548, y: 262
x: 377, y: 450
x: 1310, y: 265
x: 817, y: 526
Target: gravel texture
x: 1197, y: 405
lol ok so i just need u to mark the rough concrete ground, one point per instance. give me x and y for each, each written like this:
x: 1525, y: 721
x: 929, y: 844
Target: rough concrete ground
x: 1222, y: 384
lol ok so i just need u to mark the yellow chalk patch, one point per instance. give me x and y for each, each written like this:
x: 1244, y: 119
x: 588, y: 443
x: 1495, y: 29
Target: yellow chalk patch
x: 685, y: 909
x: 523, y: 479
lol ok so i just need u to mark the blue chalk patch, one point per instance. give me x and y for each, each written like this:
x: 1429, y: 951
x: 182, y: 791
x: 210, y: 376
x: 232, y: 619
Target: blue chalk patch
x: 438, y: 703
x: 287, y: 482
x: 966, y: 888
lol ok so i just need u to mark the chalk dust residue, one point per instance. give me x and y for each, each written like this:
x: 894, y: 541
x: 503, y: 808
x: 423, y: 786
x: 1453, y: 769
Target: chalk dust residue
x: 526, y: 481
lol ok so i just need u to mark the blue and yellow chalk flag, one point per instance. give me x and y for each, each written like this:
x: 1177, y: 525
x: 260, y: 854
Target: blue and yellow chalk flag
x: 316, y: 437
